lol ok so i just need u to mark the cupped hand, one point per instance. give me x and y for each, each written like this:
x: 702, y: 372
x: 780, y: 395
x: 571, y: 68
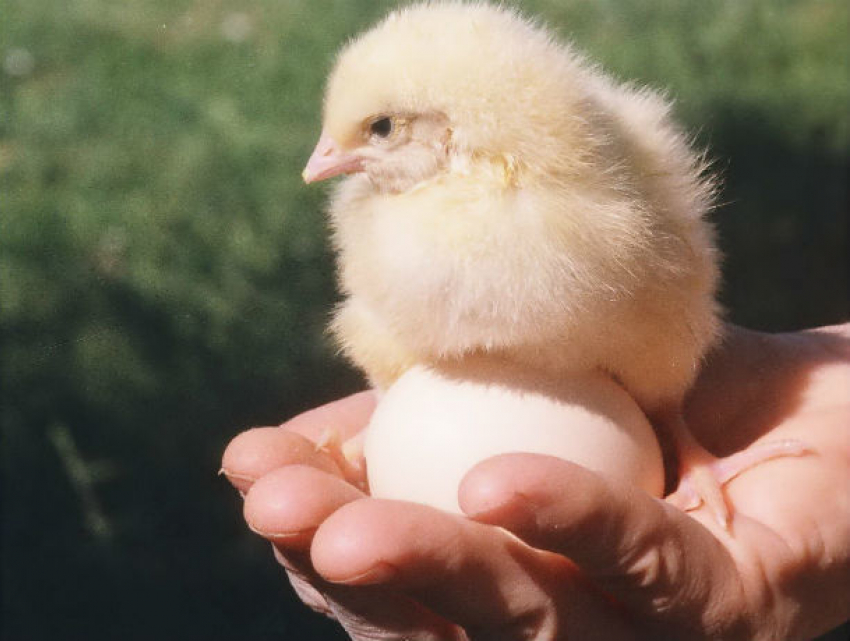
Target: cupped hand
x: 576, y: 556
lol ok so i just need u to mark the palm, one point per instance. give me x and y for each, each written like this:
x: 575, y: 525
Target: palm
x: 791, y: 514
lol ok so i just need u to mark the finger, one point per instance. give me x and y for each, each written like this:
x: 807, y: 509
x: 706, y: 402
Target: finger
x: 287, y: 505
x: 258, y: 451
x: 648, y: 555
x: 346, y: 416
x: 482, y: 578
x: 366, y: 613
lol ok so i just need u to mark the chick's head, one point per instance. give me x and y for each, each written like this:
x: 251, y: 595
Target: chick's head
x: 436, y: 86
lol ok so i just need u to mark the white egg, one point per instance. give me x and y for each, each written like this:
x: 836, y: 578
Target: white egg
x: 430, y: 428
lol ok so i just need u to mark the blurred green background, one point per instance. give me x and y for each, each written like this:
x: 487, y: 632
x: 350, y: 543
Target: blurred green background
x: 166, y: 275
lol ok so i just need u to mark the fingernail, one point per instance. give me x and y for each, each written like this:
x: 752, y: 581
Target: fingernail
x: 242, y: 482
x: 233, y: 476
x: 379, y: 573
x: 512, y: 511
x: 284, y: 537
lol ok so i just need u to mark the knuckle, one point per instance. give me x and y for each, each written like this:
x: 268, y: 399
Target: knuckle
x: 540, y: 624
x: 308, y: 594
x: 657, y: 569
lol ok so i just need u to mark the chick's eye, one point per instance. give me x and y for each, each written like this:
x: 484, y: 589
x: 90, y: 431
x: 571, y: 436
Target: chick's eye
x: 382, y: 127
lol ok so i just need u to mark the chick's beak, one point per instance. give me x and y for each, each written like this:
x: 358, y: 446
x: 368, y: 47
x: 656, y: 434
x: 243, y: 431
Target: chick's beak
x: 329, y: 159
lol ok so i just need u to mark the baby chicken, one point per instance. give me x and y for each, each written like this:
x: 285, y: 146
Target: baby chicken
x: 506, y: 201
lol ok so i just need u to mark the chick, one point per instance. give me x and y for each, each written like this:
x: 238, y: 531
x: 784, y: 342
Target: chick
x: 507, y: 201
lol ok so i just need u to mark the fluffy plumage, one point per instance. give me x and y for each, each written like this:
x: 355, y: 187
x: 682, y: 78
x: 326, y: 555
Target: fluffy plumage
x: 524, y: 207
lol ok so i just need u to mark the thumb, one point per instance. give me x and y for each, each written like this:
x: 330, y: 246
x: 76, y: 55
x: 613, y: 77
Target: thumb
x: 655, y: 560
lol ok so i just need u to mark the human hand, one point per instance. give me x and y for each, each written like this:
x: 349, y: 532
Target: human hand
x: 395, y: 570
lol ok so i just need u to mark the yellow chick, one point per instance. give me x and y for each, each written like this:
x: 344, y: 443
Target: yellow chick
x: 506, y: 200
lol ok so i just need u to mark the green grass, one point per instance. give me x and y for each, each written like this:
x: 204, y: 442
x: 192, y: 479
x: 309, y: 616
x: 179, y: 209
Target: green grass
x: 166, y: 278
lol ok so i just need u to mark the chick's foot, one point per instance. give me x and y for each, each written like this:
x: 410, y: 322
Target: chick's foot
x: 702, y: 475
x: 347, y: 454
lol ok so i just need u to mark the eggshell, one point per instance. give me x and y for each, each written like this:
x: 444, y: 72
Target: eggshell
x: 430, y: 428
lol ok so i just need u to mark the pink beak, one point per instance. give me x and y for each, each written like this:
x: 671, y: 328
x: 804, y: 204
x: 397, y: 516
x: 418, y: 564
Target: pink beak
x: 329, y: 160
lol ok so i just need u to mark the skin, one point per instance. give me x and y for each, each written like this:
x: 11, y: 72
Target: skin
x: 577, y: 557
